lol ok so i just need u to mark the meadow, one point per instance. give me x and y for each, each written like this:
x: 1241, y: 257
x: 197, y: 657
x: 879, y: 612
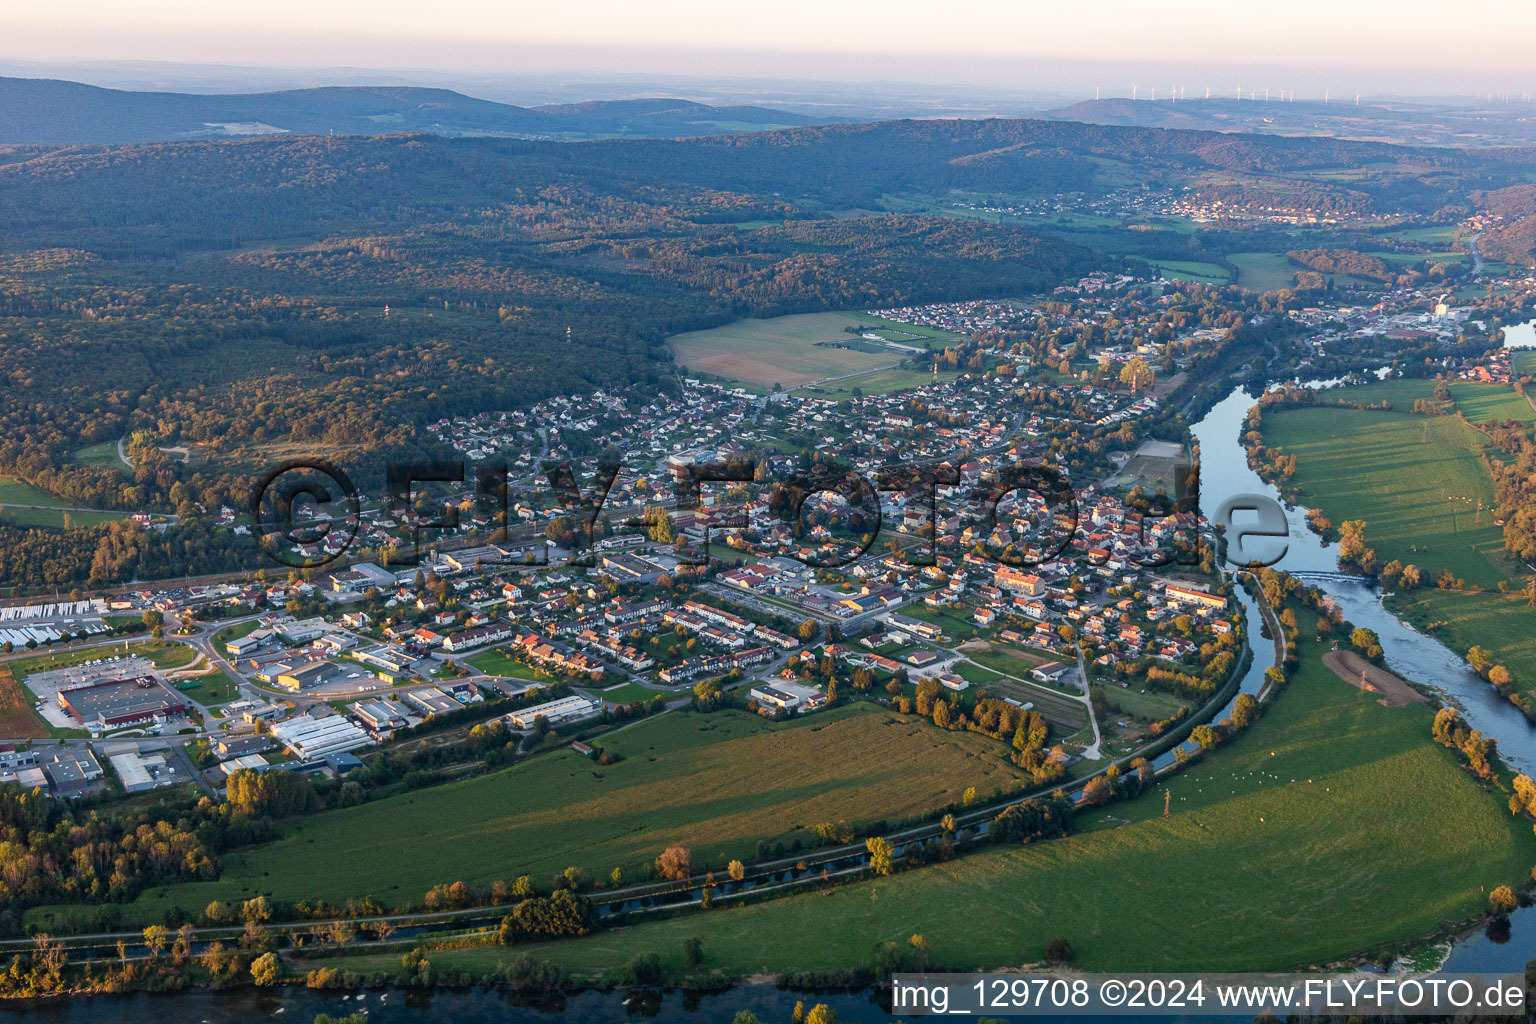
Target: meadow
x: 1418, y: 482
x: 49, y: 510
x: 718, y: 783
x: 787, y: 350
x: 1264, y: 271
x: 1498, y: 622
x: 1333, y: 827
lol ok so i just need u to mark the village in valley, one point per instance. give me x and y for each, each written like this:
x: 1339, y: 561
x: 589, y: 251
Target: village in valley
x: 712, y: 557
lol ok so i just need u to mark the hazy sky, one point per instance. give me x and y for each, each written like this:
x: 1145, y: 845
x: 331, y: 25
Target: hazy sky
x: 1402, y: 45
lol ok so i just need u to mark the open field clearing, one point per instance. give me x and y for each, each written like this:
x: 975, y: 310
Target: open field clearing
x: 1333, y: 826
x: 1264, y: 271
x: 717, y: 783
x: 1417, y: 481
x: 788, y: 350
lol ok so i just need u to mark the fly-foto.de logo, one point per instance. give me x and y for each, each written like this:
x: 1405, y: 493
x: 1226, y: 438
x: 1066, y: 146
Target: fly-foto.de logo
x: 308, y: 513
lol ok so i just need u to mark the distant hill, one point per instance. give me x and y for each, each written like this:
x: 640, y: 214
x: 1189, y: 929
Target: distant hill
x: 1404, y: 123
x: 40, y: 111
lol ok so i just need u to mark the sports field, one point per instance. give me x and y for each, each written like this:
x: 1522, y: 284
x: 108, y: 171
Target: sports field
x: 717, y: 783
x: 1333, y: 827
x: 788, y: 350
x: 1417, y: 481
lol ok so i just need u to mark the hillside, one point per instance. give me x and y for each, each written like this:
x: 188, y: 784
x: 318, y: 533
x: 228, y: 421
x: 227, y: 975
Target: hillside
x: 36, y: 111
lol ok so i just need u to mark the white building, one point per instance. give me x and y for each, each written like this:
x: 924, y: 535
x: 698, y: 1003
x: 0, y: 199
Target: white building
x: 311, y: 738
x: 556, y: 712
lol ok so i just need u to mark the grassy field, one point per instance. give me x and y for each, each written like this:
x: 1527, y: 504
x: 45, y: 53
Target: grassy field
x: 162, y: 654
x: 211, y: 690
x: 787, y: 350
x: 626, y: 692
x: 1190, y: 270
x: 495, y: 662
x: 1500, y: 623
x: 18, y: 720
x: 103, y: 454
x: 878, y: 382
x: 717, y: 783
x: 1483, y: 402
x: 1264, y: 271
x: 1333, y: 827
x: 1417, y: 481
x: 13, y: 492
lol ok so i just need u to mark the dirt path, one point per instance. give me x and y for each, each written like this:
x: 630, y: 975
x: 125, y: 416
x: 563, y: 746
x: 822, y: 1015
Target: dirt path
x: 1359, y: 673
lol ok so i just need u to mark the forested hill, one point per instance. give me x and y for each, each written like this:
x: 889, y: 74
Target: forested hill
x: 39, y: 111
x: 205, y: 194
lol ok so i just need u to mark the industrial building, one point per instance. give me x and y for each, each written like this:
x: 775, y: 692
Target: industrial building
x: 313, y: 738
x: 556, y: 712
x: 787, y: 696
x: 115, y: 703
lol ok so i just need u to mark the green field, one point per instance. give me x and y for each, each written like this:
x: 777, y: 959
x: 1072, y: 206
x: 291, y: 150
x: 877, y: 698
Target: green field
x: 495, y: 662
x: 162, y: 654
x: 1499, y: 623
x: 1333, y: 827
x: 211, y: 690
x: 718, y: 783
x: 1264, y: 271
x: 1483, y: 402
x: 787, y: 350
x: 626, y: 692
x: 13, y: 493
x: 103, y: 454
x: 1417, y: 481
x: 1189, y: 270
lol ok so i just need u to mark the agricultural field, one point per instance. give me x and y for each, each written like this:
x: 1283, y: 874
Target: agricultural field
x: 1334, y: 826
x: 1418, y: 482
x: 788, y: 350
x: 763, y: 780
x: 1498, y: 622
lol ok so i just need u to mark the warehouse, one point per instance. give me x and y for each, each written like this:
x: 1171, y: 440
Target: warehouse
x: 121, y: 702
x: 555, y: 712
x: 313, y: 738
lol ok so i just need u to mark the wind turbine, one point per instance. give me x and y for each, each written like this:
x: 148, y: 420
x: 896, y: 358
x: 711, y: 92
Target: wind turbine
x: 1095, y: 92
x: 1357, y: 97
x: 1154, y: 92
x: 1325, y: 96
x: 1266, y: 94
x: 1207, y: 92
x: 1135, y: 90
